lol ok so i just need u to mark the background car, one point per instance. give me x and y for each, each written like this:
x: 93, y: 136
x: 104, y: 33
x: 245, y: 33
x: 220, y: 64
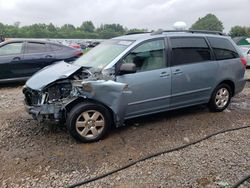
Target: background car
x: 20, y: 59
x: 75, y: 45
x: 246, y: 53
x: 92, y: 44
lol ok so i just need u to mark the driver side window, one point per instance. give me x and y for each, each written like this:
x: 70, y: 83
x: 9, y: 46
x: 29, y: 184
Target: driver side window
x: 148, y: 56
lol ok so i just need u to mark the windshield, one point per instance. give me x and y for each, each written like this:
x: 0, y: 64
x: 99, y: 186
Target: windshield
x: 103, y: 54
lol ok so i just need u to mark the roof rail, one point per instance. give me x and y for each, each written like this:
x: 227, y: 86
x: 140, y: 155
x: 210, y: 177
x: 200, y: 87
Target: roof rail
x: 189, y: 31
x: 158, y: 32
x: 207, y: 32
x: 139, y: 32
x: 166, y: 31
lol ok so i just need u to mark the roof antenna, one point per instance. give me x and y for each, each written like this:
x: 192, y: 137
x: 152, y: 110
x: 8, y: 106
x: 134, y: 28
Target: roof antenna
x: 180, y: 25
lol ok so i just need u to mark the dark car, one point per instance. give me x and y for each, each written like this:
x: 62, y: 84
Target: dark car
x: 93, y: 44
x: 20, y: 59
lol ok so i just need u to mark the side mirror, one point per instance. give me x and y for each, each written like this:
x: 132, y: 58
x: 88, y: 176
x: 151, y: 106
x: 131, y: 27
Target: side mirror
x: 127, y: 68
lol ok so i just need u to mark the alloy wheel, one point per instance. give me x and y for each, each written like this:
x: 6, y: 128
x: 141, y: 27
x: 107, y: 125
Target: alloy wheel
x: 90, y: 124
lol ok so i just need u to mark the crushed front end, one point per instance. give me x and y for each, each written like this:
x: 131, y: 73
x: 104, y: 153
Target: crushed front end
x: 49, y: 103
x: 52, y: 100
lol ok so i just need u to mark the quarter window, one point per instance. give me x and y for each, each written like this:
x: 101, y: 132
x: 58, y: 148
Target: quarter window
x: 148, y: 56
x: 12, y: 48
x: 223, y: 49
x: 188, y: 50
x: 33, y: 47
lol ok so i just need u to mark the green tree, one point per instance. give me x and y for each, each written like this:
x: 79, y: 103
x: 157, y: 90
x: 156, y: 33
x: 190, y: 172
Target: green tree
x: 209, y: 22
x: 87, y: 26
x: 114, y: 27
x: 38, y: 31
x: 17, y: 24
x: 51, y: 28
x: 10, y: 30
x: 67, y: 31
x: 68, y: 28
x: 238, y: 31
x: 107, y: 31
x: 134, y: 30
x: 2, y: 28
x: 87, y: 30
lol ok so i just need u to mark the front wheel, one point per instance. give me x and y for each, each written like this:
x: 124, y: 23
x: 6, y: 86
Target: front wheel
x: 88, y: 122
x: 220, y: 98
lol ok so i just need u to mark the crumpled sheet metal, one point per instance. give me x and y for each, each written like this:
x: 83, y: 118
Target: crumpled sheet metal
x: 112, y: 94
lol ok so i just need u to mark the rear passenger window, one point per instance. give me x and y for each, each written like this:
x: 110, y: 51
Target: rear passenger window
x: 188, y: 50
x: 33, y: 47
x: 223, y: 49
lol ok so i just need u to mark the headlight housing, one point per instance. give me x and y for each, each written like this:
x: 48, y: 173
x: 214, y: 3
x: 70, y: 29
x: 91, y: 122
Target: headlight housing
x: 57, y: 91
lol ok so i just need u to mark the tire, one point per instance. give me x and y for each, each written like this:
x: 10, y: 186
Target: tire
x: 220, y: 98
x: 88, y: 122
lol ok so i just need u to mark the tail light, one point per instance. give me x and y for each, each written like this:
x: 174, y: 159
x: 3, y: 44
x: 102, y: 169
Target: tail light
x: 78, y: 53
x: 243, y: 61
x: 76, y: 46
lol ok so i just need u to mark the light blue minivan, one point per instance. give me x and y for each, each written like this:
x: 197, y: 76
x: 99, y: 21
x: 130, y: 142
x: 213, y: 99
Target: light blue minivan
x: 136, y: 75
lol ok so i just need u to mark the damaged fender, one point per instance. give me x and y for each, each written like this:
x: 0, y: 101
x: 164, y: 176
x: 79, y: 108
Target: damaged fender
x: 112, y: 94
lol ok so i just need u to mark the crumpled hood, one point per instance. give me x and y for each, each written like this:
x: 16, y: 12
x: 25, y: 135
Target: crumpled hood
x: 50, y: 74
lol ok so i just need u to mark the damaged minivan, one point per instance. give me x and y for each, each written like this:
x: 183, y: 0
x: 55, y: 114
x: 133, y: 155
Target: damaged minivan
x: 136, y: 75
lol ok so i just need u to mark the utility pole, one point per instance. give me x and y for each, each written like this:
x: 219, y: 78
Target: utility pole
x: 1, y: 38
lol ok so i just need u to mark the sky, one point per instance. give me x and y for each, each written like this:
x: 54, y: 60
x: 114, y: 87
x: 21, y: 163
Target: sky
x: 147, y: 14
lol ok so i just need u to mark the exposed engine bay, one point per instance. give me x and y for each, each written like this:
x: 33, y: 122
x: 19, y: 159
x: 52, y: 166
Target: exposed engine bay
x: 51, y: 102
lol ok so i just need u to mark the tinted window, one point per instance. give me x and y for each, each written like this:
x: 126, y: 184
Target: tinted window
x: 223, y: 49
x: 55, y: 47
x: 33, y: 47
x: 189, y: 50
x: 12, y: 48
x: 148, y: 56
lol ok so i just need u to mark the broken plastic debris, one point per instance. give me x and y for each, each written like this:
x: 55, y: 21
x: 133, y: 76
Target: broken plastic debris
x: 223, y: 183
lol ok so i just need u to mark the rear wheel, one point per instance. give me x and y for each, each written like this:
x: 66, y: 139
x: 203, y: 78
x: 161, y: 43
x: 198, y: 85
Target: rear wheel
x: 88, y: 122
x: 220, y: 98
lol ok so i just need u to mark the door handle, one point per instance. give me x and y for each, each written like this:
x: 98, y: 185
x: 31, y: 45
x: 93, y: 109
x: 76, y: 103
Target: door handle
x: 16, y: 59
x: 177, y: 72
x: 48, y: 56
x: 164, y: 74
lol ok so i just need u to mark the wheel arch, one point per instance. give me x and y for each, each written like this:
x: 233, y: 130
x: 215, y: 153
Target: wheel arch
x: 72, y: 104
x: 230, y: 83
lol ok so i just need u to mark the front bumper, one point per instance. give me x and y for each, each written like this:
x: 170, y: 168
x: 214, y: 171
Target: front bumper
x: 51, y: 112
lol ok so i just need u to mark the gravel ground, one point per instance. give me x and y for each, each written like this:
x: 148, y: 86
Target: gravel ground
x: 44, y: 155
x: 248, y: 74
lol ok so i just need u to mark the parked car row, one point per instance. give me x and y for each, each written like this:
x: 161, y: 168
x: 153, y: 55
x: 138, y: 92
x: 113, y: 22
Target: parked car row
x: 20, y: 59
x: 81, y: 44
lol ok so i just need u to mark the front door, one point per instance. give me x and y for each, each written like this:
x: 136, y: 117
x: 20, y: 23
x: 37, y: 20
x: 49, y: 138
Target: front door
x: 151, y: 84
x: 36, y: 56
x: 10, y: 53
